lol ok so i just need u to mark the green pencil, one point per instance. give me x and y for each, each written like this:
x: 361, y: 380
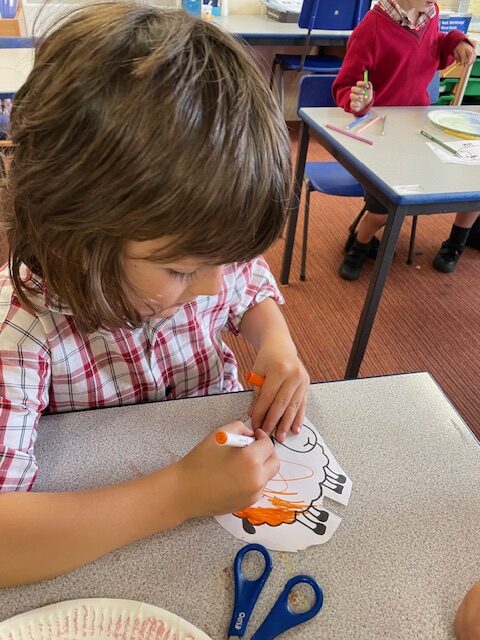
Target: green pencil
x: 442, y: 144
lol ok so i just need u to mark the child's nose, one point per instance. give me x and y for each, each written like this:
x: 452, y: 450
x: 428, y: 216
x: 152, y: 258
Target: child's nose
x: 209, y: 282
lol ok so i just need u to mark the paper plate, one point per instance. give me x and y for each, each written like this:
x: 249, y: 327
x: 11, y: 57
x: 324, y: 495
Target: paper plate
x: 99, y: 619
x: 462, y: 121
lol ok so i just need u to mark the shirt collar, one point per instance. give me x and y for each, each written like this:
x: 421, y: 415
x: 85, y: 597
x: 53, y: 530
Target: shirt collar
x: 396, y: 12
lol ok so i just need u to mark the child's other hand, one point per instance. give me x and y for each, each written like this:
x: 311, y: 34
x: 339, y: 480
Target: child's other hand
x: 214, y: 480
x: 280, y: 403
x: 467, y: 620
x: 360, y: 96
x: 464, y: 54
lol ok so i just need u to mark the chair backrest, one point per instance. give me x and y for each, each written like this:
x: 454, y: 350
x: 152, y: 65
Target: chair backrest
x: 434, y: 88
x: 316, y: 91
x: 331, y: 15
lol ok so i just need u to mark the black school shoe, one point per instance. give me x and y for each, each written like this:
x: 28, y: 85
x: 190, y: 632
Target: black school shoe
x: 372, y: 248
x: 447, y: 258
x: 351, y: 267
x: 473, y: 239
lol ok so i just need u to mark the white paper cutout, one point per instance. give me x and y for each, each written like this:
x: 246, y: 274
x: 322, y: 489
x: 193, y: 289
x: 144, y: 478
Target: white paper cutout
x: 469, y: 152
x: 290, y: 516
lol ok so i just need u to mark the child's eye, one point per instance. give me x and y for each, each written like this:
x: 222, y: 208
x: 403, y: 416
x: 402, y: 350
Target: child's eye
x: 182, y: 276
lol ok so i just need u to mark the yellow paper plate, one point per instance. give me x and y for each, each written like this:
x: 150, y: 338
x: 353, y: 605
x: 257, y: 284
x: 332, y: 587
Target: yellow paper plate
x: 99, y: 619
x: 465, y: 136
x: 467, y: 122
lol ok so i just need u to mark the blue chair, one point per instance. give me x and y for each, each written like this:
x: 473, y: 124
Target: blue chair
x: 327, y: 15
x: 325, y: 177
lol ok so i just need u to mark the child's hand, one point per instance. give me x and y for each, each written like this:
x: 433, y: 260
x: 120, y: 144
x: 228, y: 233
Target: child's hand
x: 464, y: 54
x: 467, y: 620
x: 214, y: 480
x: 360, y: 96
x: 280, y: 402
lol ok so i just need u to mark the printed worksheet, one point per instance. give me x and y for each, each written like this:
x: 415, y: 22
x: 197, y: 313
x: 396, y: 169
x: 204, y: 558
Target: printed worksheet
x: 468, y: 150
x: 291, y: 514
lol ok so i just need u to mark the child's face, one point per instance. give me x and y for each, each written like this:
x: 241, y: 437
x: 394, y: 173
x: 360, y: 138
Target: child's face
x: 167, y: 286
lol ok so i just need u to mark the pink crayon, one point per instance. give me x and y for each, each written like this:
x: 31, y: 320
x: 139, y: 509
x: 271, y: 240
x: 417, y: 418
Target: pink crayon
x: 348, y: 133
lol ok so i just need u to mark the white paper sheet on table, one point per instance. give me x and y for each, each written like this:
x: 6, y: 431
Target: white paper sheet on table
x: 291, y: 516
x: 469, y: 150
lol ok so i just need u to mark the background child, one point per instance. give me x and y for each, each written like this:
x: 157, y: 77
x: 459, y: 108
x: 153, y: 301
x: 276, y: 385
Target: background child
x: 400, y: 45
x: 129, y: 256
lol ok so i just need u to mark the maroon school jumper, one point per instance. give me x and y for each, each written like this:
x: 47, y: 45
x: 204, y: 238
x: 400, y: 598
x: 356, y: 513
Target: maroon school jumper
x: 401, y: 62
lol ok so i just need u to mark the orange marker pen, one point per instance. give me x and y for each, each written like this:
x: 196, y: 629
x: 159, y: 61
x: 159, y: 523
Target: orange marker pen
x: 232, y: 439
x: 255, y: 379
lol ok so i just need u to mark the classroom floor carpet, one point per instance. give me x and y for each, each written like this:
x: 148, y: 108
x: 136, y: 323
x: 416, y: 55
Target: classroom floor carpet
x: 426, y: 321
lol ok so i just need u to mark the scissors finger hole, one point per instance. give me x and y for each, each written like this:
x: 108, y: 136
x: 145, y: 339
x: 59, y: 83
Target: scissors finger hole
x: 253, y: 565
x: 302, y: 598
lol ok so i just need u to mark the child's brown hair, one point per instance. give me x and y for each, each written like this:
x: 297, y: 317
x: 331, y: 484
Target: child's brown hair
x: 137, y: 123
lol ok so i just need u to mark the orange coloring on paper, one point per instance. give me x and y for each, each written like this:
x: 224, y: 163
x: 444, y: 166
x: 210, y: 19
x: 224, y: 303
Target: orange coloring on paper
x: 281, y: 512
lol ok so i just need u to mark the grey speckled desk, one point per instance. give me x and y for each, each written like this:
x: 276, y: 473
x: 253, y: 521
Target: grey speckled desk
x: 396, y: 568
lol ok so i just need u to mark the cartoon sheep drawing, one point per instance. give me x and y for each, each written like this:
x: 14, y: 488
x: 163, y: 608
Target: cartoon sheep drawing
x: 296, y: 493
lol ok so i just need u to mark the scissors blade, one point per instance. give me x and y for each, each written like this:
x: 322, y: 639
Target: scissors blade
x: 281, y: 617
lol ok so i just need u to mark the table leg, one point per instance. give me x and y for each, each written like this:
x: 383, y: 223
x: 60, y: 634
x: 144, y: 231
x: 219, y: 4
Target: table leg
x: 411, y: 246
x: 297, y: 191
x: 377, y: 283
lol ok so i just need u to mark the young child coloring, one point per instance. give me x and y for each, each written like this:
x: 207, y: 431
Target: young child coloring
x: 399, y: 43
x: 151, y: 168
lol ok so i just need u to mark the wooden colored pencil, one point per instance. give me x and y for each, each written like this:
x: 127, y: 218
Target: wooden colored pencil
x: 440, y: 143
x: 449, y: 71
x: 348, y: 133
x: 368, y: 124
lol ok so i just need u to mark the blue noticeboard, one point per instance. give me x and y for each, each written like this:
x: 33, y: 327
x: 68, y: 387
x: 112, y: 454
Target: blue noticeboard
x: 455, y: 22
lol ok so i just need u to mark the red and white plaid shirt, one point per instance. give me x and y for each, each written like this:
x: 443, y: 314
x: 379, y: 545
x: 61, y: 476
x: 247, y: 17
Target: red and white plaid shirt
x: 398, y: 14
x: 46, y: 363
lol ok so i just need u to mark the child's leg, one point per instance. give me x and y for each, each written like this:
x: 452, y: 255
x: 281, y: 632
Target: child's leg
x: 364, y: 240
x: 451, y: 250
x: 369, y: 225
x: 473, y: 239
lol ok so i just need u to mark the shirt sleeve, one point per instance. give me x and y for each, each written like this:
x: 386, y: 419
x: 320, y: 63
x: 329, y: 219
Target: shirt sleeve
x: 254, y: 282
x: 359, y: 55
x: 446, y: 44
x: 24, y: 384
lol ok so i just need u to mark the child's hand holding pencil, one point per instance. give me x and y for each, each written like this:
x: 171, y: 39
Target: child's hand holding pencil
x: 280, y: 395
x: 361, y: 94
x: 213, y: 479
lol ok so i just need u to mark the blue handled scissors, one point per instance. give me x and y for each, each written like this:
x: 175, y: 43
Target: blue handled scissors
x: 281, y: 616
